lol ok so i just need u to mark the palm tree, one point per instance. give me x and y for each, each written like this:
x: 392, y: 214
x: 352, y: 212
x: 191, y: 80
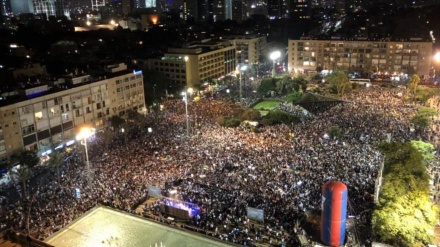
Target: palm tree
x: 23, y: 173
x: 55, y: 162
x: 27, y: 160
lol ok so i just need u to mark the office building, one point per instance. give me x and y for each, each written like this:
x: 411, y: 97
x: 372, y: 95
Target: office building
x: 22, y: 7
x: 224, y: 9
x: 196, y: 9
x: 276, y: 9
x: 196, y: 63
x: 238, y: 10
x: 97, y: 4
x: 127, y: 6
x: 57, y: 8
x: 300, y: 9
x: 46, y: 118
x: 5, y: 7
x: 409, y: 57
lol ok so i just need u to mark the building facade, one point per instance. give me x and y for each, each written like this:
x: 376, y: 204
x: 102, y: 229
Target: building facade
x: 196, y: 63
x: 360, y: 55
x: 22, y: 6
x: 300, y: 9
x: 57, y: 8
x: 249, y: 48
x: 52, y: 120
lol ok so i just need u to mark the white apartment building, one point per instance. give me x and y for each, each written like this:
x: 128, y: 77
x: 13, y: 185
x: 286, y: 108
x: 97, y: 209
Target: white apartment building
x: 407, y: 57
x: 53, y: 119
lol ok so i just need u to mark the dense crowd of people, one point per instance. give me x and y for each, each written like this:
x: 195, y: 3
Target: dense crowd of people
x: 280, y: 169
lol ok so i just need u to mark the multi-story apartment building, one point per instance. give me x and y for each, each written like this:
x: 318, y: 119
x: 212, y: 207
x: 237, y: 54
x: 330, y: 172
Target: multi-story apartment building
x: 45, y: 119
x: 196, y: 62
x: 248, y: 48
x: 413, y: 56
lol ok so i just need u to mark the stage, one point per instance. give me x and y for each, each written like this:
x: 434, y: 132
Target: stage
x: 103, y: 226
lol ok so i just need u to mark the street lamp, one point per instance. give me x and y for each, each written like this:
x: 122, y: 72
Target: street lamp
x: 190, y: 91
x: 186, y: 59
x: 83, y: 134
x: 242, y: 68
x: 436, y: 59
x: 185, y: 99
x: 274, y: 56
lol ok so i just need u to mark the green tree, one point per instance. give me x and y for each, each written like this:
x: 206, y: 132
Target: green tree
x: 421, y: 122
x: 28, y: 158
x: 156, y: 85
x: 229, y: 122
x: 106, y: 135
x: 339, y: 82
x: 423, y: 117
x: 423, y: 94
x: 279, y: 117
x: 266, y: 86
x: 250, y: 114
x: 134, y: 116
x: 405, y: 215
x: 293, y: 97
x: 334, y: 132
x: 412, y: 84
x: 299, y: 82
x: 55, y: 161
x: 408, y: 220
x: 284, y: 85
x: 424, y: 148
x: 116, y: 122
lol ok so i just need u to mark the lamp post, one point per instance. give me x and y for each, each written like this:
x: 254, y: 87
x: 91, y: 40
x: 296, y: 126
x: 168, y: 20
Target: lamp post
x: 274, y: 56
x: 185, y: 99
x: 83, y: 135
x: 242, y: 68
x: 186, y: 59
x: 437, y: 61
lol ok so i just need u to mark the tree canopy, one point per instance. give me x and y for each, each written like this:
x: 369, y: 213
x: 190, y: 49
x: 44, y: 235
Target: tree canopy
x: 405, y: 216
x: 267, y: 85
x: 339, y: 82
x: 422, y: 118
x: 413, y: 82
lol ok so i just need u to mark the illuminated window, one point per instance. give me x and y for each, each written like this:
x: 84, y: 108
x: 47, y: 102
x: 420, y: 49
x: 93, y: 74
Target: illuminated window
x: 39, y: 115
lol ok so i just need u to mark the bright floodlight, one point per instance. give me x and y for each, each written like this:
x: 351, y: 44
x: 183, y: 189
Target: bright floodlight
x: 190, y: 90
x: 88, y: 23
x: 437, y: 57
x: 244, y: 67
x: 275, y: 55
x: 85, y: 133
x: 186, y: 58
x: 112, y: 22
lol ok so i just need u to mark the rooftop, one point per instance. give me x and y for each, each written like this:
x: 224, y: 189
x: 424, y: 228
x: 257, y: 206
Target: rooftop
x: 103, y: 226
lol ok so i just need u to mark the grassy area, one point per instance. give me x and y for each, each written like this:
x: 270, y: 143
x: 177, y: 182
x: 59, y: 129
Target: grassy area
x: 266, y: 105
